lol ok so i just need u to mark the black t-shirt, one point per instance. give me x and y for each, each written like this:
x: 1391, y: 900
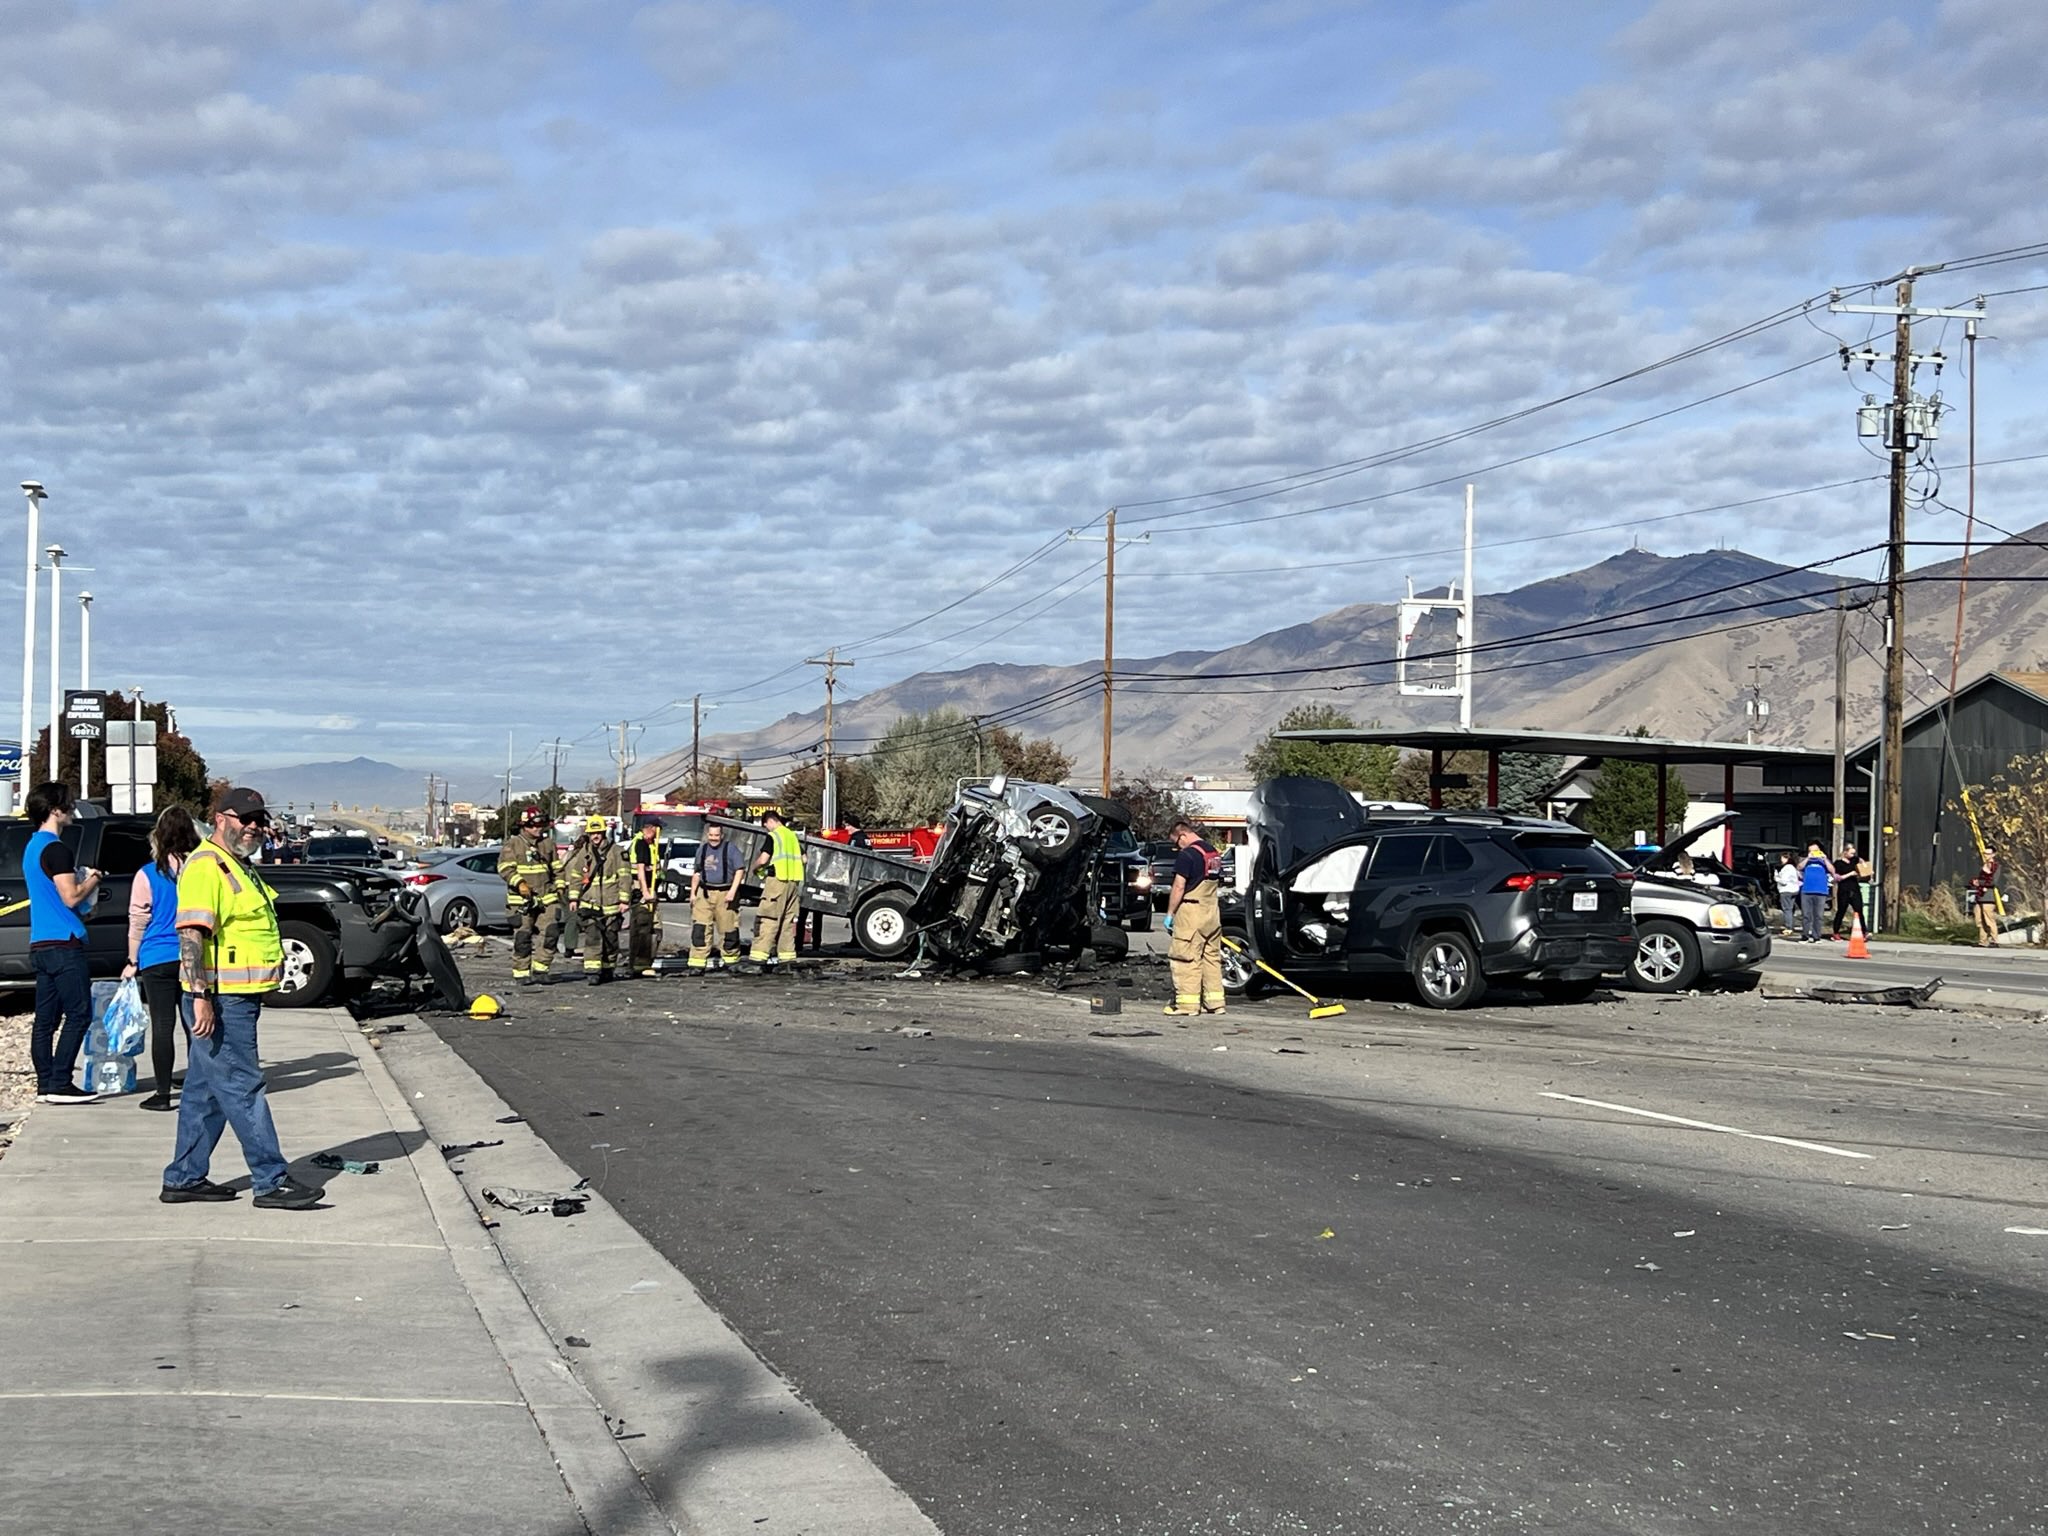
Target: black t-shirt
x: 57, y: 860
x: 1195, y: 863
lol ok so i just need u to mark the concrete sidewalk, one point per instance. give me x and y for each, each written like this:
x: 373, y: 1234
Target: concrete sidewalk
x: 368, y: 1366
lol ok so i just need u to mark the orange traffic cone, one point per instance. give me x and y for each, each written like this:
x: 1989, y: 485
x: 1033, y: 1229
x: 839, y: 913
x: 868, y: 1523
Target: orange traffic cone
x: 1857, y: 950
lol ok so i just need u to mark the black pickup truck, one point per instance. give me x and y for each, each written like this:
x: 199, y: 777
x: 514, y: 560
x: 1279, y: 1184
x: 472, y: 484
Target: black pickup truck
x: 323, y: 912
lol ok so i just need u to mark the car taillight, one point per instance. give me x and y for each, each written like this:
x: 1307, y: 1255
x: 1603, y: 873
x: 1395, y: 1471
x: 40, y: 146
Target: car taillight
x: 1526, y: 880
x: 423, y: 879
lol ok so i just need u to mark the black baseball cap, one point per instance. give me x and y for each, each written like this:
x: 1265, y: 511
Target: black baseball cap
x: 244, y: 804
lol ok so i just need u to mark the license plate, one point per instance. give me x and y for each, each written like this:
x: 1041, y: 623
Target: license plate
x: 1585, y: 901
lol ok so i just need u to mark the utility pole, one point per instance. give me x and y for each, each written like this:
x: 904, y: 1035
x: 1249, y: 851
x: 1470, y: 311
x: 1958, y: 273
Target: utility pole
x: 1755, y: 710
x: 828, y: 809
x: 428, y: 835
x: 624, y: 755
x: 1108, y: 537
x: 696, y: 740
x: 1906, y: 422
x: 33, y: 490
x: 556, y: 752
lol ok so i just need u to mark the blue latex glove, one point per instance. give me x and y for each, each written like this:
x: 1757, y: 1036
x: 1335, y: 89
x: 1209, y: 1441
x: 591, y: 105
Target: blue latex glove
x: 1169, y: 922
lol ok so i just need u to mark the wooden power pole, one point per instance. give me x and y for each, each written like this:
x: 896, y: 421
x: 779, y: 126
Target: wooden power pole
x: 1108, y: 635
x: 828, y: 806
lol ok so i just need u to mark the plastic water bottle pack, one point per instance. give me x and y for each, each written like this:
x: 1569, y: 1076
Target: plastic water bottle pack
x: 120, y: 1029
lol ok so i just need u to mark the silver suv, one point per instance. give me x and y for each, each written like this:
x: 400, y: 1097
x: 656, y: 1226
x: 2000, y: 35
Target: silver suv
x: 1694, y: 918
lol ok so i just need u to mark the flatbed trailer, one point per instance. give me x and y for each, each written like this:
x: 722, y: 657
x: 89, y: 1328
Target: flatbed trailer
x: 873, y: 890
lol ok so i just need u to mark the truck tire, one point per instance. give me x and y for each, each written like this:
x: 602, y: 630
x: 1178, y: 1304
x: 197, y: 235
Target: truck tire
x: 1109, y: 942
x: 310, y: 964
x: 1667, y: 957
x: 882, y: 926
x: 1445, y: 969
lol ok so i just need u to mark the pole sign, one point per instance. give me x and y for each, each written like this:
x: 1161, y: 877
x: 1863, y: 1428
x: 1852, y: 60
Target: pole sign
x: 10, y: 760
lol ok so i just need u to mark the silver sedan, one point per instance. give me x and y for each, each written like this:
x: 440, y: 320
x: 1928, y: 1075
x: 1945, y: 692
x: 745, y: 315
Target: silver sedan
x: 463, y: 889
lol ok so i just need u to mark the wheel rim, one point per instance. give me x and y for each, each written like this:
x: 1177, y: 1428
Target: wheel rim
x: 1659, y: 957
x: 461, y: 914
x: 1443, y: 972
x: 1050, y: 828
x: 1237, y: 975
x: 298, y: 966
x: 885, y: 926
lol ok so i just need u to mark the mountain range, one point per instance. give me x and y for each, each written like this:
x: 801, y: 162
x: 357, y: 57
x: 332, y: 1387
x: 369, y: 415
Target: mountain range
x: 1671, y: 643
x: 356, y: 781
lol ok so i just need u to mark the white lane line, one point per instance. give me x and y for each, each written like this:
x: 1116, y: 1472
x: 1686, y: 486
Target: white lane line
x: 1708, y: 1125
x: 2029, y: 1231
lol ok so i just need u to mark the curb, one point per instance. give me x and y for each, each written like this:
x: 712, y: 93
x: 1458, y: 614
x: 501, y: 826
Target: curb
x: 604, y: 1483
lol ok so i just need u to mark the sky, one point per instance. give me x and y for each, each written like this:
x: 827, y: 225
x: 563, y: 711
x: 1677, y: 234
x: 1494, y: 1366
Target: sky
x: 412, y: 379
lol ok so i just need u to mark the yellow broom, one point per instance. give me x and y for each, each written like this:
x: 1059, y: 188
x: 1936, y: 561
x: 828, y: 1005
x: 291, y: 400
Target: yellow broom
x: 1318, y: 1009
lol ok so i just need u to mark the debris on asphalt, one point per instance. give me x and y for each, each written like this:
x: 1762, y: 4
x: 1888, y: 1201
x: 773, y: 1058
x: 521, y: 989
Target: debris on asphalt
x: 2028, y: 1231
x: 1109, y: 1002
x: 576, y: 1341
x: 1894, y: 1226
x: 511, y: 1119
x: 1646, y: 1264
x: 1326, y: 1232
x: 641, y: 1287
x: 916, y: 1034
x: 382, y: 1029
x: 1123, y: 1034
x: 1219, y: 1047
x: 342, y: 1164
x: 456, y: 1149
x: 864, y: 1047
x: 1288, y: 1050
x: 1689, y: 1232
x: 1882, y: 997
x: 533, y: 1202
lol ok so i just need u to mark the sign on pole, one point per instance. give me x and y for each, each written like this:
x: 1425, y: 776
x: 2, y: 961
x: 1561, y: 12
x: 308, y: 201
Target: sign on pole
x: 10, y: 760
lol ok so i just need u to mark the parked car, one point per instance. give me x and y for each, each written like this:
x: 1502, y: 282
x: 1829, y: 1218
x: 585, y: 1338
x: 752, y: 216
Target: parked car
x: 678, y: 867
x: 1123, y: 897
x: 1708, y: 923
x: 323, y: 913
x: 344, y: 848
x: 1454, y: 900
x: 463, y: 889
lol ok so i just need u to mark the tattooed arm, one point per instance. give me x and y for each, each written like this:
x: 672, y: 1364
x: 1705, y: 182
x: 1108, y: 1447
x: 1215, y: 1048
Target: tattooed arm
x: 196, y: 975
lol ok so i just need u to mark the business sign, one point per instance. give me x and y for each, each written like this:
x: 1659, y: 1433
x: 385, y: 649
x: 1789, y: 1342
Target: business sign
x: 85, y: 730
x: 83, y: 706
x: 10, y: 760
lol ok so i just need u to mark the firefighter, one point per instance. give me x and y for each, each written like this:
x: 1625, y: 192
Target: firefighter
x: 781, y: 866
x: 714, y: 903
x: 643, y: 854
x: 1196, y: 953
x: 533, y: 896
x: 597, y: 885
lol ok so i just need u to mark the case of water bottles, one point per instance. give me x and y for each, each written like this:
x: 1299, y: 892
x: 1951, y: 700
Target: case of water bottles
x: 120, y: 1029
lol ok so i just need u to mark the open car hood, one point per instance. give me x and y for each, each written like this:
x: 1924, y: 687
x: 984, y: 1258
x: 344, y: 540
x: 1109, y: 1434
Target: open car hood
x: 1662, y: 860
x: 1292, y: 818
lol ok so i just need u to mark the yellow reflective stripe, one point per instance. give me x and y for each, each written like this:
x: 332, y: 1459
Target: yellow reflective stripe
x: 195, y: 917
x: 238, y: 975
x: 227, y: 873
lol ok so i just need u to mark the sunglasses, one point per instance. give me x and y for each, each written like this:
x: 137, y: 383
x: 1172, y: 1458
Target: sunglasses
x: 260, y: 819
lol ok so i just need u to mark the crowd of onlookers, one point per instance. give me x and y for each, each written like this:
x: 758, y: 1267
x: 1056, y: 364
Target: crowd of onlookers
x: 1807, y: 886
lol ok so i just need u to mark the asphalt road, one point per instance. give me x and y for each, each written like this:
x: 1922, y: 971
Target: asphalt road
x: 1370, y: 1275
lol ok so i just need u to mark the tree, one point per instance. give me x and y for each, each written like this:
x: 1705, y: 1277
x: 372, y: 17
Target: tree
x: 1154, y: 805
x: 1524, y: 776
x: 1367, y: 769
x: 2013, y: 811
x: 918, y: 764
x: 714, y: 779
x: 553, y: 804
x: 1038, y: 759
x: 1410, y: 780
x: 1624, y: 802
x: 803, y: 792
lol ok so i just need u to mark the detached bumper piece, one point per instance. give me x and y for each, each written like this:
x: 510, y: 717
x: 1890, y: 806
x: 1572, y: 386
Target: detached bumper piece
x: 1883, y: 997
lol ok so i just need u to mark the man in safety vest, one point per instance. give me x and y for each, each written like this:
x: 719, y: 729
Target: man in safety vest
x: 1196, y: 954
x: 533, y: 896
x: 597, y: 885
x: 781, y: 864
x: 643, y: 855
x: 230, y: 957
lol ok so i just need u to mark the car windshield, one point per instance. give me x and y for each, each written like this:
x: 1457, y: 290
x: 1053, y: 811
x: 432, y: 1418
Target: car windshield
x: 1567, y: 853
x: 1120, y: 841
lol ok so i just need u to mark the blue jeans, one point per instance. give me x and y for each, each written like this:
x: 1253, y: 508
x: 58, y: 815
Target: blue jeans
x: 224, y: 1087
x: 1814, y: 906
x: 63, y: 987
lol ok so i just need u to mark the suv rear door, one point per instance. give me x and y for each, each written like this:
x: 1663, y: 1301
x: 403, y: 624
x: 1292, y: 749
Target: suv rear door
x: 1577, y: 890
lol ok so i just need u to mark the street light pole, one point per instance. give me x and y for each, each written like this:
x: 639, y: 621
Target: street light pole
x: 34, y: 492
x: 56, y: 555
x: 85, y: 686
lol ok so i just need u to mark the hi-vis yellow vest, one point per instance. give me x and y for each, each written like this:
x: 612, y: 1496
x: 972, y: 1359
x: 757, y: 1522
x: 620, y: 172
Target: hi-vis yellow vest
x: 786, y: 853
x: 218, y: 892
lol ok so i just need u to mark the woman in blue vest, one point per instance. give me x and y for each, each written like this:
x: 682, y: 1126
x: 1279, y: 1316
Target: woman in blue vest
x: 1816, y: 878
x: 58, y: 893
x: 153, y: 941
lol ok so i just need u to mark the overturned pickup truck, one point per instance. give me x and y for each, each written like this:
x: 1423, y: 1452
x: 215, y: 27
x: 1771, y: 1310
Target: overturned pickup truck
x: 1013, y: 880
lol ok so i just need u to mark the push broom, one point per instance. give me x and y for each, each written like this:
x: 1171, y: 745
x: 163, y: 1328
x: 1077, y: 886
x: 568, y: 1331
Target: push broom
x: 1317, y: 1009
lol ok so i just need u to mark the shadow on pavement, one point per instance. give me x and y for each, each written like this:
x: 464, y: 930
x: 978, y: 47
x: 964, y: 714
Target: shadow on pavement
x: 285, y: 1076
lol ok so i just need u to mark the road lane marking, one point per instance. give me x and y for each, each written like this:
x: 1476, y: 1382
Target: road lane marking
x: 1708, y: 1125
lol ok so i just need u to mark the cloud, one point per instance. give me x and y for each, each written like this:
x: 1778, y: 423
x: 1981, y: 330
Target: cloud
x: 697, y: 44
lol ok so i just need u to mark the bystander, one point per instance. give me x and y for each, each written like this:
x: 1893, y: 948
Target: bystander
x: 59, y: 892
x: 153, y: 941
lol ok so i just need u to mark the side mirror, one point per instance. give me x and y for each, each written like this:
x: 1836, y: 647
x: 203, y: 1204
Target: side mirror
x: 998, y: 784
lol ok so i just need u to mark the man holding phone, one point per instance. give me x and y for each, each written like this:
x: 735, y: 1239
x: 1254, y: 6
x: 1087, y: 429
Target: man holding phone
x: 59, y: 894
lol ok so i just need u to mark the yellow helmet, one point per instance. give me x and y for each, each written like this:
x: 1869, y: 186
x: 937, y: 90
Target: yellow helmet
x: 485, y: 1007
x: 594, y: 824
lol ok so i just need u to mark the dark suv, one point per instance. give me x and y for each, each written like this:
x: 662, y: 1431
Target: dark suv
x: 1453, y: 899
x: 323, y: 915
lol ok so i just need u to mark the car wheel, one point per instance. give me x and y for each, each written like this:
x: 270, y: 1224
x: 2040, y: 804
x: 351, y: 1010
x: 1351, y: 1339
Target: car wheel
x: 1109, y: 942
x: 1240, y: 977
x: 1053, y: 833
x: 1667, y: 958
x: 1569, y: 991
x: 460, y: 913
x: 310, y: 964
x: 1445, y: 970
x: 882, y: 926
x: 672, y: 889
